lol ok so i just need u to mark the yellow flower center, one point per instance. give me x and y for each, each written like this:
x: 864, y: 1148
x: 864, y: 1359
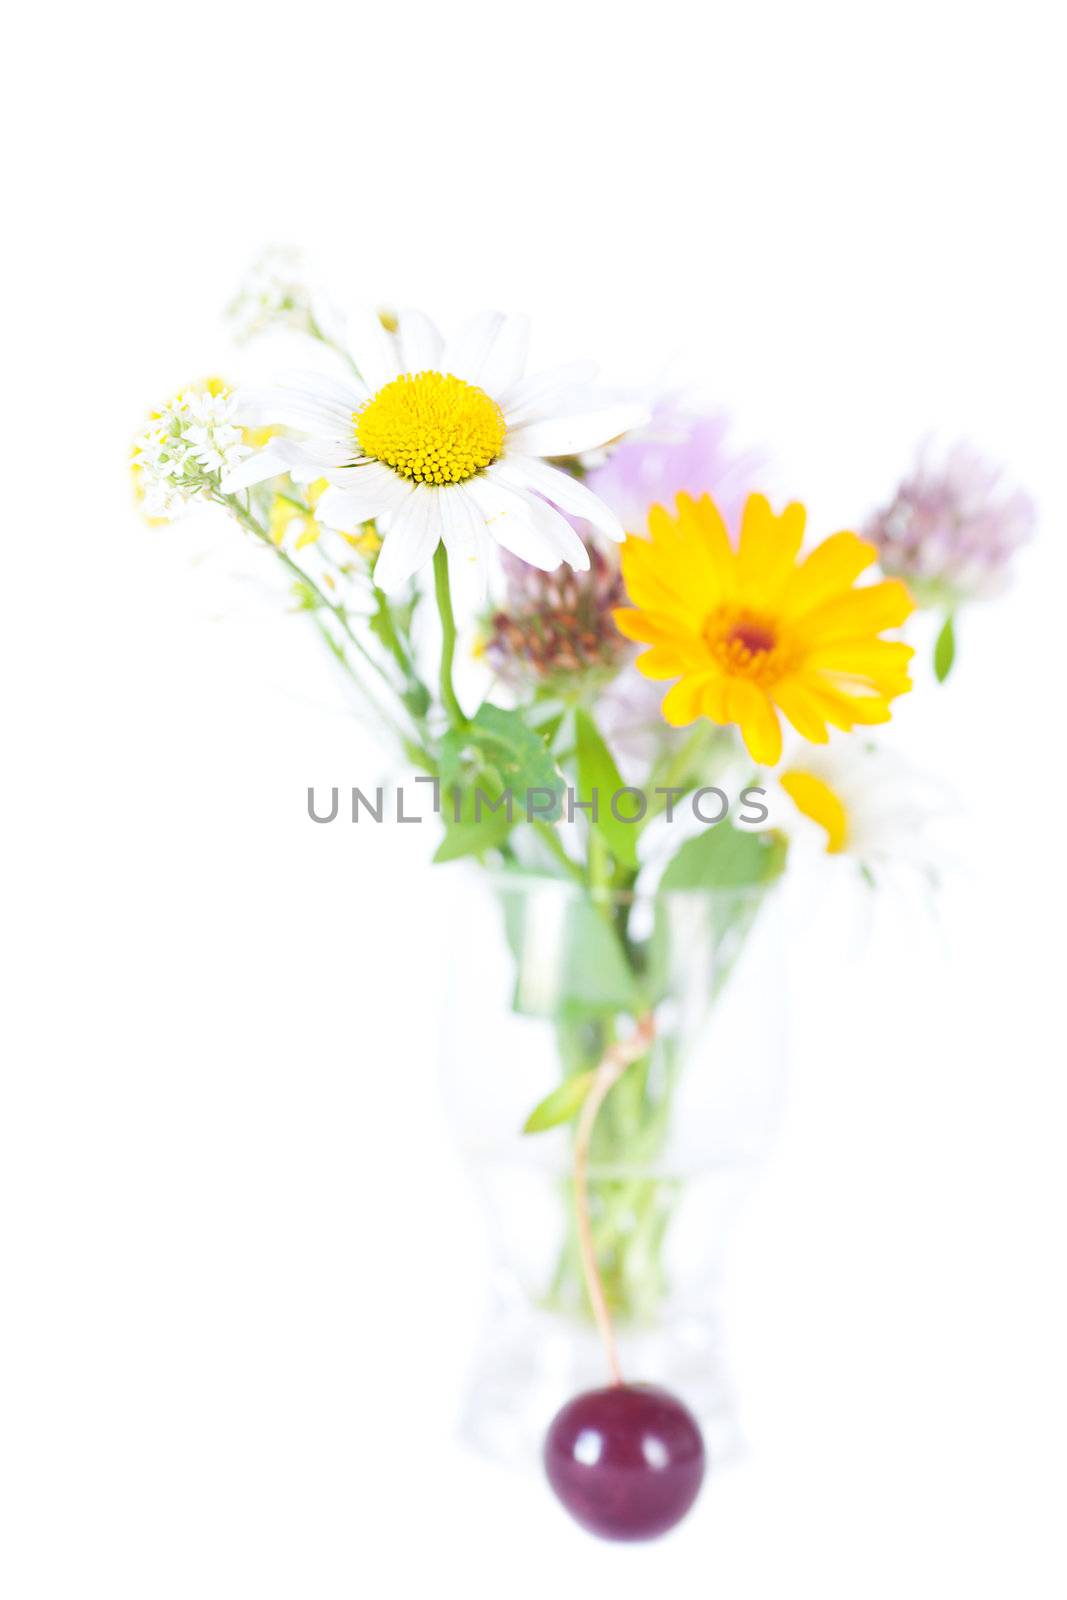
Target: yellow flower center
x: 431, y: 428
x: 745, y: 644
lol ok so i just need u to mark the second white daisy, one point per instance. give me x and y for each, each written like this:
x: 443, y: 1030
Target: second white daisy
x: 870, y: 805
x: 437, y: 441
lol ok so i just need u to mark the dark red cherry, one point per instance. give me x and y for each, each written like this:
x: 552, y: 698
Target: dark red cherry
x: 627, y: 1462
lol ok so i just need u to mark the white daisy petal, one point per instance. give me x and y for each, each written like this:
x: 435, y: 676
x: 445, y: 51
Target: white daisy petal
x: 462, y: 525
x: 290, y: 407
x: 506, y: 361
x: 567, y: 436
x: 533, y: 396
x: 467, y: 542
x: 360, y: 494
x: 557, y: 530
x: 420, y: 343
x: 467, y: 353
x: 303, y: 459
x: 347, y: 392
x: 413, y: 535
x: 374, y: 351
x: 268, y: 463
x: 512, y: 522
x: 527, y: 472
x: 315, y: 455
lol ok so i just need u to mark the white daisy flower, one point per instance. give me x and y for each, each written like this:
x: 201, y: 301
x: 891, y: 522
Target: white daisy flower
x: 442, y: 441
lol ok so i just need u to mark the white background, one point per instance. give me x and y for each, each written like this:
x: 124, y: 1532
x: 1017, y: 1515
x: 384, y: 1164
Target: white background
x: 240, y: 1268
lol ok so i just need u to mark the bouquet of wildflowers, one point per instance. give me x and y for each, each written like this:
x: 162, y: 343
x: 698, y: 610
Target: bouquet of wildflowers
x: 658, y: 644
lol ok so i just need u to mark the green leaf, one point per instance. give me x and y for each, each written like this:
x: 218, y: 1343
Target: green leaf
x: 561, y: 1105
x: 725, y: 857
x: 498, y: 742
x: 472, y: 836
x: 416, y: 698
x: 470, y: 794
x: 945, y: 649
x: 493, y: 754
x: 519, y: 754
x: 599, y: 776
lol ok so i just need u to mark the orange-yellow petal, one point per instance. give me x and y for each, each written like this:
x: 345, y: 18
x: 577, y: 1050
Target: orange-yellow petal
x: 700, y: 526
x: 768, y: 548
x: 878, y: 664
x: 871, y: 657
x: 858, y: 613
x: 831, y: 569
x: 662, y: 661
x: 754, y: 714
x: 686, y: 701
x: 645, y: 627
x: 655, y: 585
x: 843, y: 709
x: 800, y: 706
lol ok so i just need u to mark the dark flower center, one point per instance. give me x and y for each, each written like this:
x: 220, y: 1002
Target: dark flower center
x: 753, y: 636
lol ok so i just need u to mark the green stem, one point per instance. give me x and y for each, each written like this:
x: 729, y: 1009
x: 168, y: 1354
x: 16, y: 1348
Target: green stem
x: 443, y: 595
x: 393, y: 639
x: 599, y: 868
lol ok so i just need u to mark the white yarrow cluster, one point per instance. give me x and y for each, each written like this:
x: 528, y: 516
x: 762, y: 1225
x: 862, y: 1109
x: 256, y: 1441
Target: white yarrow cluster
x: 276, y: 292
x: 186, y: 449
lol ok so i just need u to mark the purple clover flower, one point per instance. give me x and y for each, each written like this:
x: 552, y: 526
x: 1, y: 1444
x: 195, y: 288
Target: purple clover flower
x: 952, y: 528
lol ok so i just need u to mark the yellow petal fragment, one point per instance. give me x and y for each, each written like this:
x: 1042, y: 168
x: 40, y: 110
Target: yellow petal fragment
x: 814, y: 798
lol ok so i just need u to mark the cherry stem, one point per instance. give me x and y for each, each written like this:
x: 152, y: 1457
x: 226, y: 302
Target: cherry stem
x: 607, y: 1074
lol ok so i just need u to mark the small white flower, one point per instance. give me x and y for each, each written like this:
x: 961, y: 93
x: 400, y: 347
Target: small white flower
x: 275, y: 293
x: 186, y: 449
x: 439, y: 441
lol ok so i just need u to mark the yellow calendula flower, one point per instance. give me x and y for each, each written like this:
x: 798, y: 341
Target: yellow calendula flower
x: 755, y: 631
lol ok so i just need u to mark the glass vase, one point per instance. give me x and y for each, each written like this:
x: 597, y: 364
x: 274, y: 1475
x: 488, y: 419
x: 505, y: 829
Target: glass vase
x: 545, y: 979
